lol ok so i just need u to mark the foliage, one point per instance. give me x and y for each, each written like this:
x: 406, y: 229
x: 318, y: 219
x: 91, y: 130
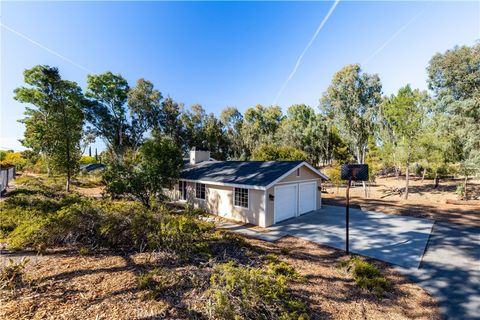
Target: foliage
x: 144, y: 177
x: 268, y: 152
x: 252, y: 293
x: 334, y: 173
x: 367, y: 276
x: 40, y: 216
x: 107, y: 112
x: 55, y: 122
x: 402, y: 117
x: 12, y: 276
x: 14, y: 159
x: 87, y: 160
x: 352, y: 102
x: 453, y: 77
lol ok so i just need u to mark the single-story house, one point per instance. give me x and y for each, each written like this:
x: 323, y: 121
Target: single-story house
x: 257, y: 192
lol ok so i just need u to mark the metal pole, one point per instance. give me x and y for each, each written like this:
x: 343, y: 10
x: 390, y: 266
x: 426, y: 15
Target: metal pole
x: 347, y: 216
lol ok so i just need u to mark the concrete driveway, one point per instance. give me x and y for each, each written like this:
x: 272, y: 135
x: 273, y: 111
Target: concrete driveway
x: 395, y: 239
x: 450, y: 270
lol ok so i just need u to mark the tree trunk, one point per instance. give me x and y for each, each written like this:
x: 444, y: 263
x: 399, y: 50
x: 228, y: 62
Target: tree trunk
x: 407, y: 178
x: 67, y: 185
x: 423, y: 174
x: 436, y: 180
x: 465, y: 195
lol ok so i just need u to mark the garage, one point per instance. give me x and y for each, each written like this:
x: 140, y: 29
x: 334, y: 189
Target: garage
x: 307, y: 197
x: 285, y: 203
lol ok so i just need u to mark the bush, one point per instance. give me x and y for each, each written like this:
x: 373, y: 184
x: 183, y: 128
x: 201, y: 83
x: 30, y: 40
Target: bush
x: 251, y: 293
x: 156, y: 281
x: 36, y: 217
x: 367, y: 276
x: 12, y: 275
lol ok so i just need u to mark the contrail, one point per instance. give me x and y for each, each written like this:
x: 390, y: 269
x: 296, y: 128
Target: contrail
x: 299, y: 60
x: 386, y: 43
x: 45, y: 48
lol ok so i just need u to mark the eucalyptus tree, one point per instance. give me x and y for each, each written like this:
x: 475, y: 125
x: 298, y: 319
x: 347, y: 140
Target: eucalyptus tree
x: 260, y: 126
x: 352, y: 100
x: 232, y: 120
x: 54, y: 123
x: 404, y: 117
x: 454, y: 77
x: 107, y: 111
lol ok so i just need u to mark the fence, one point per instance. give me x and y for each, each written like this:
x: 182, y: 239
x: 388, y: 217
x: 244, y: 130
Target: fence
x: 6, y: 175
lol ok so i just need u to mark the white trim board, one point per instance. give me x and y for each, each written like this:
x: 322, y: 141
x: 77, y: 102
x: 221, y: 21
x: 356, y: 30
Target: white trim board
x: 293, y: 170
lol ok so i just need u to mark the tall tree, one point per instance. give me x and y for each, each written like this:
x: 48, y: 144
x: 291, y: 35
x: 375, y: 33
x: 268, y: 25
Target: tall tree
x: 454, y: 77
x: 170, y: 121
x: 403, y: 115
x: 107, y: 111
x: 260, y: 126
x: 144, y: 103
x: 352, y: 101
x: 54, y: 124
x: 232, y: 120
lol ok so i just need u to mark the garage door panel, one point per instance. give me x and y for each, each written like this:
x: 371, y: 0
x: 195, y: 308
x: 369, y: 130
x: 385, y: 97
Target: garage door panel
x: 285, y: 203
x: 307, y: 200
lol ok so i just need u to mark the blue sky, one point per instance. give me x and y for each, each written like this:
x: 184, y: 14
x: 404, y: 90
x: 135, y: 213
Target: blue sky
x: 223, y: 54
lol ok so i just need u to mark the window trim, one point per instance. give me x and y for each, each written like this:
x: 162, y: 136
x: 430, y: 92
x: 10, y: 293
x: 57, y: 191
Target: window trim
x: 204, y: 192
x: 182, y: 186
x: 248, y: 198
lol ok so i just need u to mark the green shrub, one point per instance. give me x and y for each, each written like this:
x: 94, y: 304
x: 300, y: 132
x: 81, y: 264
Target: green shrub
x: 367, y: 276
x: 251, y: 293
x: 12, y: 276
x: 156, y: 281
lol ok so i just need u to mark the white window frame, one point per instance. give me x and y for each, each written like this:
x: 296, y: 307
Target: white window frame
x: 205, y: 192
x: 248, y: 198
x: 182, y: 185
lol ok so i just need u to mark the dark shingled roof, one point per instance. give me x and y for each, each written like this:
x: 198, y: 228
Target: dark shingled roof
x: 254, y: 173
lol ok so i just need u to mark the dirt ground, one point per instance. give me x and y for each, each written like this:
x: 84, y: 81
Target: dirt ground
x: 103, y: 286
x: 423, y: 201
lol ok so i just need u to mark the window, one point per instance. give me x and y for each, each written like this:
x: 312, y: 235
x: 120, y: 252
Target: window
x: 298, y: 172
x: 182, y: 187
x: 200, y: 191
x: 241, y: 197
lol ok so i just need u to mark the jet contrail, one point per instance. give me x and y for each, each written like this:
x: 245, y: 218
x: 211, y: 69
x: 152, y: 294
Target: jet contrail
x: 386, y: 43
x: 299, y: 60
x: 45, y: 48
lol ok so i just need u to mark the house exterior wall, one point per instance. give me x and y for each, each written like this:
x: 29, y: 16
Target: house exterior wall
x: 219, y: 201
x: 305, y: 174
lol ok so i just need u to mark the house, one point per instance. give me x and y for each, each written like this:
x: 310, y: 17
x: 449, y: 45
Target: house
x: 258, y: 192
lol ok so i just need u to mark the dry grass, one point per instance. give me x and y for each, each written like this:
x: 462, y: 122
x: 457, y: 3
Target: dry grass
x: 104, y: 286
x: 424, y: 200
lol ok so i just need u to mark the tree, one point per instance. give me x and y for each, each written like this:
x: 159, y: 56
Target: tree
x: 232, y: 120
x: 144, y: 103
x: 352, y: 101
x: 170, y: 121
x: 269, y: 152
x: 145, y: 175
x: 54, y: 125
x: 260, y: 126
x: 454, y: 78
x: 107, y: 111
x: 403, y: 115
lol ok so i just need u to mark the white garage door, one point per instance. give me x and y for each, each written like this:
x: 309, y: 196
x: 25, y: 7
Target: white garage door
x: 307, y: 197
x: 285, y: 203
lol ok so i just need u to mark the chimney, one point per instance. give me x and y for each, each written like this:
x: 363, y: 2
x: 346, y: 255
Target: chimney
x: 197, y: 155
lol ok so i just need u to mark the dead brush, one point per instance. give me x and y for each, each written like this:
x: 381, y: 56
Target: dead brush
x: 12, y: 276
